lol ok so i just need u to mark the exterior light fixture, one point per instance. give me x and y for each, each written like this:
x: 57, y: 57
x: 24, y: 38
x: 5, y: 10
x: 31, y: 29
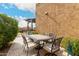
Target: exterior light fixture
x: 46, y: 13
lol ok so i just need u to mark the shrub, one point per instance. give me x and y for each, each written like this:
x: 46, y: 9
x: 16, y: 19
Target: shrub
x: 8, y: 29
x: 75, y: 47
x: 71, y: 45
x: 64, y: 42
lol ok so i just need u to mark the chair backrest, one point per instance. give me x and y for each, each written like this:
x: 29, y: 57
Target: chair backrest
x: 53, y: 36
x: 57, y: 42
x: 24, y: 39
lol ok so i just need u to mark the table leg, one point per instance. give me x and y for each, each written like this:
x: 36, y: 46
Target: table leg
x: 39, y: 47
x: 38, y: 54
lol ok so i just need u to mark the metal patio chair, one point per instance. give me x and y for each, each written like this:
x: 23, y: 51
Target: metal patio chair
x: 54, y: 47
x: 28, y: 45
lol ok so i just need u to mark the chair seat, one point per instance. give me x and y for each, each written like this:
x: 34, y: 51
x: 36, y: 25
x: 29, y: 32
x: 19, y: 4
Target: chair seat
x: 31, y: 45
x: 28, y: 40
x: 47, y: 47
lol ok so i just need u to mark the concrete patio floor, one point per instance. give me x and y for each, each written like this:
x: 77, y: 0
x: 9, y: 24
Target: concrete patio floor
x: 17, y: 49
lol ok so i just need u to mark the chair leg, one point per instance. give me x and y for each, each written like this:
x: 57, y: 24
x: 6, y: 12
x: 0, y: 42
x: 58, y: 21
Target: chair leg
x: 53, y: 54
x: 26, y: 51
x: 50, y: 54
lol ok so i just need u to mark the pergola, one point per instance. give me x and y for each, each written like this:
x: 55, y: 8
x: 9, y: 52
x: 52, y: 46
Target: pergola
x: 30, y: 21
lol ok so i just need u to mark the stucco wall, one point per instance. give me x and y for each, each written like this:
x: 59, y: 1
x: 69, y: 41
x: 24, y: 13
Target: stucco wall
x: 62, y: 19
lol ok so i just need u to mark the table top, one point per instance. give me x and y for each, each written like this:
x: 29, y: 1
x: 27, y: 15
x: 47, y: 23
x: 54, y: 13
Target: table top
x: 39, y: 37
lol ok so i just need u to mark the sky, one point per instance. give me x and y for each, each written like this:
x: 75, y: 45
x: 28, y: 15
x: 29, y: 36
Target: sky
x: 18, y: 10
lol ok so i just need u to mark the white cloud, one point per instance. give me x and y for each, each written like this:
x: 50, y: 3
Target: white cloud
x: 16, y: 16
x: 24, y: 6
x: 22, y: 18
x: 5, y: 6
x: 22, y: 23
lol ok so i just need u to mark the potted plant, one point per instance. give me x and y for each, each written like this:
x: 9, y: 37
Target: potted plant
x: 69, y: 48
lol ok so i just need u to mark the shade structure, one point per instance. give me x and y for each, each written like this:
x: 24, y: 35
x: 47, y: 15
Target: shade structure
x: 24, y: 25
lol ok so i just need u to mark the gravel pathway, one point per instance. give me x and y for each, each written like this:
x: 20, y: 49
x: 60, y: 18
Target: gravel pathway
x: 17, y: 47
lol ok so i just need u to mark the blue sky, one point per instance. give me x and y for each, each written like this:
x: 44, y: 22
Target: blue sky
x: 18, y: 10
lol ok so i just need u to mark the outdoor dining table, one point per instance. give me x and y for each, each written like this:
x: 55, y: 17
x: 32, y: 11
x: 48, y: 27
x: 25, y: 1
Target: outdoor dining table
x: 37, y: 38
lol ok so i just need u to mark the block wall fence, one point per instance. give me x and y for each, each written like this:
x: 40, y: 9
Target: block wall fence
x: 60, y: 18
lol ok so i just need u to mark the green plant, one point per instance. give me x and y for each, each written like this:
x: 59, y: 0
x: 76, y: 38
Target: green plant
x: 65, y: 42
x: 72, y: 44
x: 8, y: 29
x: 75, y: 47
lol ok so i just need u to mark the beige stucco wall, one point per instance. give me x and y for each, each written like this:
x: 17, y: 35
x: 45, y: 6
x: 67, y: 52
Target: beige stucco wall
x: 62, y: 19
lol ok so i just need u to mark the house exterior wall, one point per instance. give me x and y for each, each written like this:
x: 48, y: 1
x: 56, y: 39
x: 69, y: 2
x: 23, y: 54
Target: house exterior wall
x: 62, y: 19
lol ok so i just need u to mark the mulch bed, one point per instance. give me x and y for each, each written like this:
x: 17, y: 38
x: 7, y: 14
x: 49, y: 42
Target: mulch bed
x: 4, y: 51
